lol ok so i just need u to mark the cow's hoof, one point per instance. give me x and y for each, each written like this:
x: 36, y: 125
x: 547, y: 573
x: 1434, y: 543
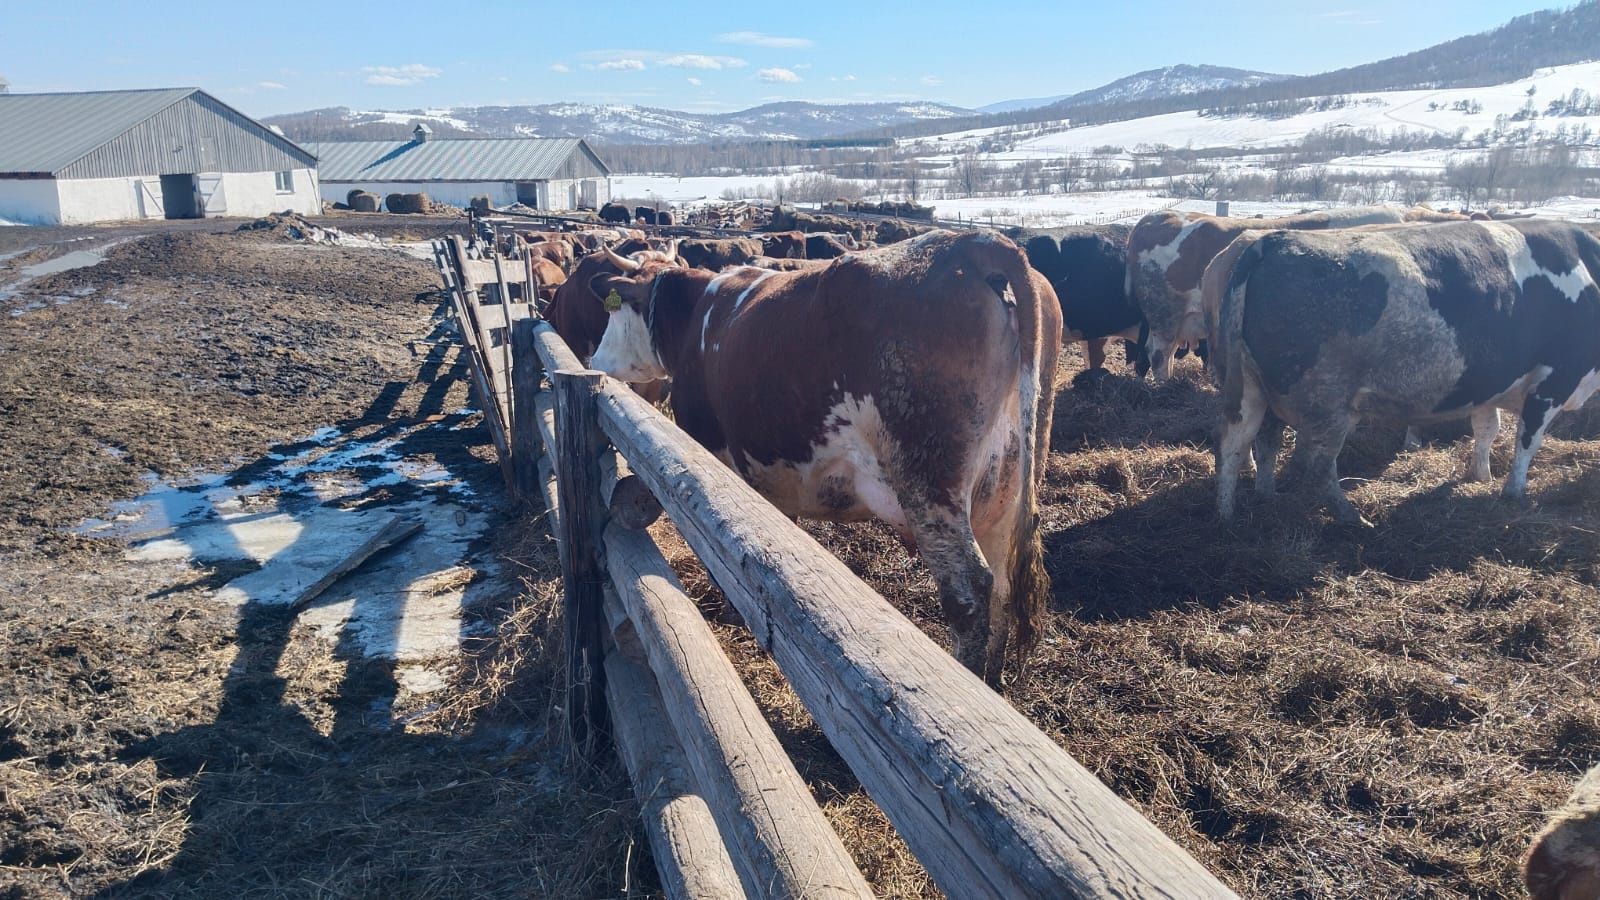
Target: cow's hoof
x: 1089, y: 379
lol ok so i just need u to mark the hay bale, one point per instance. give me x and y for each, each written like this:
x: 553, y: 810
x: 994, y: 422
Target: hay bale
x: 664, y: 218
x: 407, y: 204
x: 363, y: 201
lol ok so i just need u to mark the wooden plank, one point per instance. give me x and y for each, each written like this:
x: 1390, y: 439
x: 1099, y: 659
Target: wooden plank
x: 689, y: 854
x: 779, y: 838
x: 493, y: 317
x: 578, y: 443
x: 989, y: 804
x: 504, y: 292
x: 393, y: 532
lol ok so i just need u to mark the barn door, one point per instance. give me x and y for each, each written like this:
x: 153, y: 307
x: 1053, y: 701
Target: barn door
x: 590, y: 195
x: 150, y: 200
x: 213, y: 202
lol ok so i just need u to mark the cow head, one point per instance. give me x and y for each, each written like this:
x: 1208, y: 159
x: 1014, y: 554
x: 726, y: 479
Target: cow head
x: 628, y: 349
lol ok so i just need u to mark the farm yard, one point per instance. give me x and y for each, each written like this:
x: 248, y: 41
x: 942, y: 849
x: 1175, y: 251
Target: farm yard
x: 1306, y: 708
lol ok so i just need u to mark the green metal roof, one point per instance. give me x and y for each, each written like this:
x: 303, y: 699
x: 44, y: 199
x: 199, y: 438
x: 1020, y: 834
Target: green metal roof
x: 45, y: 134
x: 441, y: 159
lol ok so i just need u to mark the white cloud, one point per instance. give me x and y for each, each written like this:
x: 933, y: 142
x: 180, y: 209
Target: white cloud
x: 399, y: 76
x: 271, y: 85
x: 842, y: 78
x: 695, y: 81
x: 799, y: 66
x: 758, y: 39
x: 622, y: 65
x: 932, y: 80
x: 560, y: 68
x: 701, y: 61
x: 776, y: 74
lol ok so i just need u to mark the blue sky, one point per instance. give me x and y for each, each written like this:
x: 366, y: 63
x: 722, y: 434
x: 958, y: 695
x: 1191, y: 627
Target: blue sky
x: 279, y: 57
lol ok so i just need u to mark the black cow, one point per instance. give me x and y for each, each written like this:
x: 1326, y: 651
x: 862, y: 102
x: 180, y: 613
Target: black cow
x: 645, y: 214
x: 1417, y: 324
x: 615, y: 212
x: 1087, y: 266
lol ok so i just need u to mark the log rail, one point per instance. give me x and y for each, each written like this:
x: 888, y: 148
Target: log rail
x: 990, y: 805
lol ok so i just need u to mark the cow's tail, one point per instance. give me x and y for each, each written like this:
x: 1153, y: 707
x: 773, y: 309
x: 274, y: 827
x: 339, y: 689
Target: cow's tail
x: 1039, y: 346
x: 1228, y: 354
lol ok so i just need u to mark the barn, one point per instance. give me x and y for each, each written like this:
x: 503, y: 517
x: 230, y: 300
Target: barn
x: 173, y: 153
x: 544, y: 173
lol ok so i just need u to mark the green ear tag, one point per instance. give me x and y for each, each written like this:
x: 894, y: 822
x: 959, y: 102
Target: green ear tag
x: 613, y: 301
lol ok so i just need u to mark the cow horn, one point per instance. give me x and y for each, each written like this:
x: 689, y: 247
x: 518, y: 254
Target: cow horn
x: 672, y: 252
x: 627, y: 265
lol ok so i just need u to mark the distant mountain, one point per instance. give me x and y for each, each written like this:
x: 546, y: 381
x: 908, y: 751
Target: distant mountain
x: 1515, y: 50
x: 1172, y: 81
x: 616, y: 124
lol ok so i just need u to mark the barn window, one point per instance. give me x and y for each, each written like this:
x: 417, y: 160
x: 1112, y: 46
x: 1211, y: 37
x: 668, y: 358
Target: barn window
x: 284, y: 182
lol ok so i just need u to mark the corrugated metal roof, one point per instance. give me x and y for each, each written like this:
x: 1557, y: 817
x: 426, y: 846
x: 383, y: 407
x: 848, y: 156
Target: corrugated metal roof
x: 438, y: 159
x: 108, y: 133
x: 43, y: 133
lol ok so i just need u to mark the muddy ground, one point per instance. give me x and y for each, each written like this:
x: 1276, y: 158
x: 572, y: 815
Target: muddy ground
x: 153, y: 742
x: 1313, y: 711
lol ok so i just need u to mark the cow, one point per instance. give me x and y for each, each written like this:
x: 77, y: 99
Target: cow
x: 1419, y: 324
x: 577, y: 313
x: 556, y: 248
x: 549, y: 277
x: 1563, y: 863
x: 645, y: 214
x: 913, y: 384
x: 615, y: 213
x: 717, y: 255
x: 1168, y: 253
x: 787, y: 265
x: 823, y: 245
x: 784, y: 245
x: 1088, y: 269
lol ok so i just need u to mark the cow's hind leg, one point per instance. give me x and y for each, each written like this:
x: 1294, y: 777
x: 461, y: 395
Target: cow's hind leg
x: 944, y: 538
x: 1320, y: 440
x: 1237, y: 434
x: 1485, y: 427
x: 1267, y: 446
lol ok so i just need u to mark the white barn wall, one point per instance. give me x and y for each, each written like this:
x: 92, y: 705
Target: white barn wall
x: 30, y: 201
x: 102, y: 199
x: 244, y: 194
x: 256, y: 194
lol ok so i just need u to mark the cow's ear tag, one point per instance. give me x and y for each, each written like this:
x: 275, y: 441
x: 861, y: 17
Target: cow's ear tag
x: 613, y: 301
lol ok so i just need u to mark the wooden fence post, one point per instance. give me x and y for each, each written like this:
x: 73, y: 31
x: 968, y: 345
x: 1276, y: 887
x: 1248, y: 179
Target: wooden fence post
x: 577, y: 458
x: 527, y: 370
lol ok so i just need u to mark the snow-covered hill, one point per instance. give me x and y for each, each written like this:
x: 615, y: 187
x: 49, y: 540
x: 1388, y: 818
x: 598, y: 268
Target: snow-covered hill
x: 616, y: 123
x: 1171, y: 81
x: 1467, y: 111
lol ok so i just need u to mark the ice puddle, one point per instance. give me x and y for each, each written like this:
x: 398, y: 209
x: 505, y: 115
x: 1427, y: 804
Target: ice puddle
x: 297, y: 513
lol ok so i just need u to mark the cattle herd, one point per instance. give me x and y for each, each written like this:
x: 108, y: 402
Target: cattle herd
x: 914, y: 383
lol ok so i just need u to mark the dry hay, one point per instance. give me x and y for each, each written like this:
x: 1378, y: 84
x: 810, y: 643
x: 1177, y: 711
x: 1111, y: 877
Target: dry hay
x: 1312, y: 711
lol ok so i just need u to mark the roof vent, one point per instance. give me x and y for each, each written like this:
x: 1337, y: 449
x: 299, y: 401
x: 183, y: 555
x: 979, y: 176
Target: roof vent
x: 421, y: 133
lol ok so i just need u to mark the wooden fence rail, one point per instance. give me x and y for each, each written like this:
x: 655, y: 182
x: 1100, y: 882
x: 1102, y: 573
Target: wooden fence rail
x: 990, y: 805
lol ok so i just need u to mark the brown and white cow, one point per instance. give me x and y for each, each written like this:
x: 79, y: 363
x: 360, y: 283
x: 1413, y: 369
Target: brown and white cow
x: 913, y: 384
x: 556, y: 247
x: 1563, y: 862
x: 720, y: 253
x: 784, y: 245
x: 577, y: 313
x: 1168, y: 253
x: 1418, y: 325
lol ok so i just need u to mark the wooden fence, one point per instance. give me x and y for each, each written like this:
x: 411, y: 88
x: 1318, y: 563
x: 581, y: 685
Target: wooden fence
x: 989, y: 804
